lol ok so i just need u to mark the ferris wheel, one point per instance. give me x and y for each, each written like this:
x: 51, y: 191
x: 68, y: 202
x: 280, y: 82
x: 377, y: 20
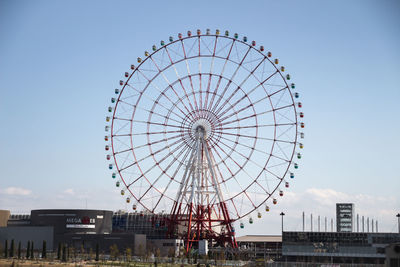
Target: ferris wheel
x: 206, y: 130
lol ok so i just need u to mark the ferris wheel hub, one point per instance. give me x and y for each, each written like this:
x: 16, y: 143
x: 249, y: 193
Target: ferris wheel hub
x: 202, y: 128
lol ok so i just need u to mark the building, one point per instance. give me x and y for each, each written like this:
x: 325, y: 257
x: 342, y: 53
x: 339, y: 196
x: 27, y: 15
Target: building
x: 344, y: 217
x: 334, y: 247
x: 266, y: 247
x: 79, y: 228
x: 153, y: 226
x: 393, y: 255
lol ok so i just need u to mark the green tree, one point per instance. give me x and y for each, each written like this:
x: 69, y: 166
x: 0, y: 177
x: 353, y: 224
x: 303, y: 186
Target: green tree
x: 32, y: 256
x: 128, y: 254
x: 64, y: 253
x: 157, y: 253
x: 12, y: 248
x: 171, y: 254
x: 28, y: 250
x: 140, y: 250
x: 114, y: 252
x: 97, y: 252
x: 90, y: 256
x: 19, y: 250
x: 82, y: 251
x: 59, y: 251
x: 6, y: 249
x: 44, y: 250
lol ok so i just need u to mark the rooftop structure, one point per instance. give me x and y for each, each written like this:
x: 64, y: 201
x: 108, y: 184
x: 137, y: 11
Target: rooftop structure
x: 344, y: 217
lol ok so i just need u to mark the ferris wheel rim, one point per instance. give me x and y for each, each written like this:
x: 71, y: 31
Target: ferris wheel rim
x: 181, y: 40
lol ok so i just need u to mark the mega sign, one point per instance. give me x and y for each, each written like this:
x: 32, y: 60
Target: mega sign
x: 84, y: 222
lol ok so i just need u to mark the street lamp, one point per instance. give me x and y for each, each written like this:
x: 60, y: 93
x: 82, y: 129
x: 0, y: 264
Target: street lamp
x: 282, y: 214
x: 398, y: 221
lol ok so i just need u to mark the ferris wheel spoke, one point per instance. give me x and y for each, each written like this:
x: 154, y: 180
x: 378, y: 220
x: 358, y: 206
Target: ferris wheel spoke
x: 160, y: 124
x: 259, y: 114
x: 230, y: 81
x: 284, y: 116
x: 220, y: 77
x: 287, y: 130
x: 161, y: 115
x: 172, y: 88
x: 200, y: 87
x: 190, y: 76
x: 121, y: 135
x: 283, y: 152
x: 279, y: 164
x: 239, y: 87
x: 247, y: 158
x: 236, y: 112
x: 250, y: 92
x: 259, y: 137
x: 240, y: 119
x: 143, y: 175
x: 273, y: 174
x: 229, y: 155
x: 120, y: 128
x: 155, y: 101
x: 232, y: 174
x: 256, y: 126
x: 155, y: 133
x: 247, y: 146
x: 280, y: 98
x: 123, y: 151
x: 151, y: 155
x: 152, y: 185
x: 162, y: 93
x: 172, y: 178
x: 158, y: 141
x: 210, y: 75
x: 180, y: 80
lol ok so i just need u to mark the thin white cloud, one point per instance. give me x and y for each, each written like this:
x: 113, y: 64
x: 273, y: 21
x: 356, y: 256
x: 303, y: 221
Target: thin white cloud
x: 69, y: 191
x: 16, y: 191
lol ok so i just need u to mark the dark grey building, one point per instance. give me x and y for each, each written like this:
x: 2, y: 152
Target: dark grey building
x: 73, y: 221
x: 73, y: 227
x: 23, y: 234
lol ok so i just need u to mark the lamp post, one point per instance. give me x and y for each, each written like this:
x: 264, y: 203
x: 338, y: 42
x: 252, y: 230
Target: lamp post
x: 398, y: 221
x: 282, y: 214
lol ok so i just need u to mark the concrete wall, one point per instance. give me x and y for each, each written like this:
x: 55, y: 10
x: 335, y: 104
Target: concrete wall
x: 4, y: 215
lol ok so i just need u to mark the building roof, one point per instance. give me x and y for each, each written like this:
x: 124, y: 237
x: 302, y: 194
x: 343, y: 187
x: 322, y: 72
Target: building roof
x: 259, y: 238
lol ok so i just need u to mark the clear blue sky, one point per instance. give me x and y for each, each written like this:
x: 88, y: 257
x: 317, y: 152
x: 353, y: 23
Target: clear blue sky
x: 60, y: 61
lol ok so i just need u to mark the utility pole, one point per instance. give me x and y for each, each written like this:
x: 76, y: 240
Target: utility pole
x: 398, y: 221
x: 362, y: 220
x: 282, y: 214
x: 358, y: 223
x: 319, y: 223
